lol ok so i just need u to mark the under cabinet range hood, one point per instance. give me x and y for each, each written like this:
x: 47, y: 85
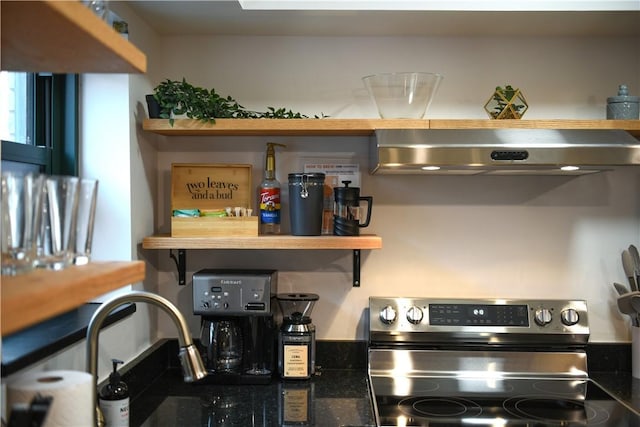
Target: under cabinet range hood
x: 501, y: 151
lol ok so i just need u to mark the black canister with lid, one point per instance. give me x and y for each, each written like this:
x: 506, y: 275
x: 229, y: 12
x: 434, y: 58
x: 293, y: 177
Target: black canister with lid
x: 306, y: 195
x: 346, y: 210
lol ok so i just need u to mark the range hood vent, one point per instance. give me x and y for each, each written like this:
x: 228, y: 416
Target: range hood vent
x: 501, y: 151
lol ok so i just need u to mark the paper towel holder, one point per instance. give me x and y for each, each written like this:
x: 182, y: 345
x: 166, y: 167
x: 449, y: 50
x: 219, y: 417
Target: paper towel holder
x: 192, y: 366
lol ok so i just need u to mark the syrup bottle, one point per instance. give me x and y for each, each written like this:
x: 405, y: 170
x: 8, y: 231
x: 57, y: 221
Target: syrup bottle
x: 270, y: 194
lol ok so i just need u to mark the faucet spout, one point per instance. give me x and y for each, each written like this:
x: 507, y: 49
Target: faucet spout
x: 192, y: 366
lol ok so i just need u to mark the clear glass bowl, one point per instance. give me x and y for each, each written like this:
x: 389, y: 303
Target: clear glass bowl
x: 402, y: 95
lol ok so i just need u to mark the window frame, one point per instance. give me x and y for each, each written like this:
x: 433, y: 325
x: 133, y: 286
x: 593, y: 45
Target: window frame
x: 55, y: 118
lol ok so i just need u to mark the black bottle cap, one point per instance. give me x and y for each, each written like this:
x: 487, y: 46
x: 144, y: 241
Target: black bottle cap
x: 114, y: 377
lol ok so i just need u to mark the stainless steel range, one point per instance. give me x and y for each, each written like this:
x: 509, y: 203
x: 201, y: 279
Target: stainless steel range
x: 459, y: 362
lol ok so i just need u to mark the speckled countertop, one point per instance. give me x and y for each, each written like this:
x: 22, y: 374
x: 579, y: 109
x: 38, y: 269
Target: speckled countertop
x: 333, y: 398
x: 339, y: 396
x: 622, y: 385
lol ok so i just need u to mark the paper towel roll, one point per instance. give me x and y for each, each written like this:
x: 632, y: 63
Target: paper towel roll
x: 72, y: 404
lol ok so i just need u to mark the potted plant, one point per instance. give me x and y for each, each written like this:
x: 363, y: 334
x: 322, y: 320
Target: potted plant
x: 506, y: 103
x: 177, y: 98
x: 153, y: 106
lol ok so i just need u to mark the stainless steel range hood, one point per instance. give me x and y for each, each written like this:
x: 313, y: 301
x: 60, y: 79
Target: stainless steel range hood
x: 501, y: 151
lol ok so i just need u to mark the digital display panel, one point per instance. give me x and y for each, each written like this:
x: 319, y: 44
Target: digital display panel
x: 478, y: 315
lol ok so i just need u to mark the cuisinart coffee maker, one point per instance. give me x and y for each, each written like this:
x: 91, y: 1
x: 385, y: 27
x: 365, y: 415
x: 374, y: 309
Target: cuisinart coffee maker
x: 238, y: 329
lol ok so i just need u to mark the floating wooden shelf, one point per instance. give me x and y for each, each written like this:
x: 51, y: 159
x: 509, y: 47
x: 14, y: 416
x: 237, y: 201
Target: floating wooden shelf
x: 362, y: 127
x: 63, y: 37
x: 308, y: 127
x: 631, y: 126
x: 355, y: 243
x: 165, y: 241
x: 34, y: 297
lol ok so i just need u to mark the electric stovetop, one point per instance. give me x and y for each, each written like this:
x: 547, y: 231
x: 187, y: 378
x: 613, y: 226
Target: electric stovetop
x: 488, y: 402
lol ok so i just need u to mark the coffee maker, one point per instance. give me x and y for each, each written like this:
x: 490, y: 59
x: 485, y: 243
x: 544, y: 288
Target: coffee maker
x: 239, y: 331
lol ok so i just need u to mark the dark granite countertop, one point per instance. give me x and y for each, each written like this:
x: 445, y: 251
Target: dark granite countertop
x: 622, y: 385
x: 333, y: 398
x: 336, y: 397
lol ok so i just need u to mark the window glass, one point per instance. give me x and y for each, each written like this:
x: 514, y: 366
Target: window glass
x: 39, y: 122
x: 16, y: 107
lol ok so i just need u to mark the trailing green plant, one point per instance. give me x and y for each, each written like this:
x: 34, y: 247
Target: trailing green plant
x: 182, y: 98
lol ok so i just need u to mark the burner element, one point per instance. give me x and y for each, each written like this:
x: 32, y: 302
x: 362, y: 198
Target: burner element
x: 555, y: 410
x: 437, y: 407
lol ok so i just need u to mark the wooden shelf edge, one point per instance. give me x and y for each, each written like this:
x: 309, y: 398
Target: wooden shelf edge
x: 31, y: 30
x: 628, y: 125
x: 363, y: 127
x: 27, y: 299
x: 165, y: 241
x: 298, y: 127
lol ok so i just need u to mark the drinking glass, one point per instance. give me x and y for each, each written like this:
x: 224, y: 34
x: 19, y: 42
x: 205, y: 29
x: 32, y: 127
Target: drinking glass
x: 21, y: 215
x: 87, y: 200
x: 57, y: 237
x: 99, y: 7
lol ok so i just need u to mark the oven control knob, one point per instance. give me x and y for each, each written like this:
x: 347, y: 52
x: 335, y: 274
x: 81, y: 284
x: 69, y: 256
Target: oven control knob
x: 414, y: 315
x: 388, y: 315
x: 570, y: 316
x: 543, y: 316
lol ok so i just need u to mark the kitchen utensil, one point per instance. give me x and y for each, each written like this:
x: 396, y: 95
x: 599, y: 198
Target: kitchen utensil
x: 636, y: 261
x: 346, y: 210
x: 620, y: 288
x: 625, y: 306
x: 635, y: 303
x: 402, y: 95
x: 297, y: 337
x: 226, y: 345
x: 629, y: 269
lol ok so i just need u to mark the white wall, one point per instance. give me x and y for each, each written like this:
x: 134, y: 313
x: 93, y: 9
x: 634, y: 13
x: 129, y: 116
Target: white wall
x: 442, y: 236
x: 538, y: 237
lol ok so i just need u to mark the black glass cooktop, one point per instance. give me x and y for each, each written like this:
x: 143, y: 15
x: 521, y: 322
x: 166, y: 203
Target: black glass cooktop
x: 439, y: 402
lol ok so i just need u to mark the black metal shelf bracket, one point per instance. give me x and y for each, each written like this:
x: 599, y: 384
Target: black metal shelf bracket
x: 356, y: 268
x: 181, y: 265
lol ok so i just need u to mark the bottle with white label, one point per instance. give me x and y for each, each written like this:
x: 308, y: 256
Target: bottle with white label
x: 269, y: 195
x: 114, y: 399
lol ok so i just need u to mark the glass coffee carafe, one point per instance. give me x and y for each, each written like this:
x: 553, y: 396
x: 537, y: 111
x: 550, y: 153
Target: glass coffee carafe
x: 222, y: 339
x: 346, y: 210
